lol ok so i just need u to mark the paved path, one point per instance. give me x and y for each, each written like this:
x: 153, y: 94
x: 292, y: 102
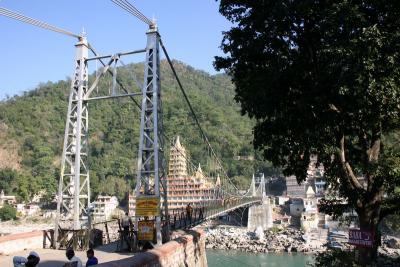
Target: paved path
x: 56, y: 258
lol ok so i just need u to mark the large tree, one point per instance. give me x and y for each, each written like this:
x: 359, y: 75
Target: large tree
x: 323, y: 77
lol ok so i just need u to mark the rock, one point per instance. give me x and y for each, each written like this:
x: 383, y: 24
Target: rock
x: 259, y: 241
x: 259, y: 233
x: 393, y: 243
x: 209, y: 246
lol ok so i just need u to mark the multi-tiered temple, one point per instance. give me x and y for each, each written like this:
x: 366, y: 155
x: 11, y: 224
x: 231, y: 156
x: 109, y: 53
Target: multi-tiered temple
x: 182, y: 188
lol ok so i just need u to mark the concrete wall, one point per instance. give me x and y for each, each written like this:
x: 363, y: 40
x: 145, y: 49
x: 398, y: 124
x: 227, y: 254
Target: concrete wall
x: 187, y: 249
x: 260, y: 215
x: 21, y: 241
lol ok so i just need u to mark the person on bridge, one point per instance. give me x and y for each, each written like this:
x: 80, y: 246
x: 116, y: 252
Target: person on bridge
x: 73, y: 260
x: 189, y: 210
x: 92, y: 260
x: 126, y: 223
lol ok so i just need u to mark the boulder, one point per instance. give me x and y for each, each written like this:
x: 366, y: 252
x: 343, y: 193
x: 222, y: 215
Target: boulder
x: 393, y: 243
x: 259, y: 233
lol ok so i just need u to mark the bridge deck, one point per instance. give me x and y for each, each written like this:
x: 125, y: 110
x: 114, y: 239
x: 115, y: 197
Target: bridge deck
x: 182, y: 221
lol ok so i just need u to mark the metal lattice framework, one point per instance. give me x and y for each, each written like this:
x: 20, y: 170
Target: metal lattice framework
x: 74, y: 186
x: 151, y: 164
x: 73, y: 198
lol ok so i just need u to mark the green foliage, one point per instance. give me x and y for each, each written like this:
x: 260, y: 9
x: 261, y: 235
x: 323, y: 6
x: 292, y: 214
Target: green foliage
x: 322, y: 78
x: 7, y: 213
x: 275, y: 229
x: 391, y: 224
x: 19, y: 183
x: 334, y: 258
x: 36, y: 121
x: 6, y: 178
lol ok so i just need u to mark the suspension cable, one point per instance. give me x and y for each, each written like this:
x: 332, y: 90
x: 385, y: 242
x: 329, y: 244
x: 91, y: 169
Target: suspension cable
x: 124, y: 4
x: 135, y: 10
x: 194, y: 114
x: 17, y: 16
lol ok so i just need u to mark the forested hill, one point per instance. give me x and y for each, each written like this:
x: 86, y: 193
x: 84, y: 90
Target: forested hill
x: 32, y: 129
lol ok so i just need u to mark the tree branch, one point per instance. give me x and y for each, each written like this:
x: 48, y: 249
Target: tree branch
x: 334, y: 108
x: 347, y: 168
x: 373, y: 152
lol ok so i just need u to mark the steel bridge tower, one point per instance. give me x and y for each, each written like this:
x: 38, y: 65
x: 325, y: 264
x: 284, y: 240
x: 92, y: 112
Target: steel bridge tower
x: 73, y: 198
x: 74, y: 186
x: 151, y: 161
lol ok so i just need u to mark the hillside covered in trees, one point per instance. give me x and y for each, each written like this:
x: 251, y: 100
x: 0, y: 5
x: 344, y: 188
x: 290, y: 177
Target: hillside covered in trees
x: 32, y: 130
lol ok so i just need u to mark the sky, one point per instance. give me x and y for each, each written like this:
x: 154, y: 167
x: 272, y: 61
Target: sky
x: 190, y: 29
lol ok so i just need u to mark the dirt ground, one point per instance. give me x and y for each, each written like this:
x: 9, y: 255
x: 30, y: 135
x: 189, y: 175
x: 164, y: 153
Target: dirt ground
x: 56, y: 258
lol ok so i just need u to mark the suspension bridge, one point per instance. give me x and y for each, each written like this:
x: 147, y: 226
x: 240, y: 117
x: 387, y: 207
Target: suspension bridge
x: 74, y: 191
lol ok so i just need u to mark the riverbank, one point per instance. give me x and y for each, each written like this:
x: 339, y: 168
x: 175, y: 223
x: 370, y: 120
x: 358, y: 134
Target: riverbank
x: 286, y: 246
x: 24, y: 226
x: 240, y: 239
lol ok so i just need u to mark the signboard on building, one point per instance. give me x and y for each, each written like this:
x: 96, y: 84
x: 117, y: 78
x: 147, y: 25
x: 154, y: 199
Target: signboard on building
x: 361, y: 238
x: 146, y: 230
x: 147, y: 206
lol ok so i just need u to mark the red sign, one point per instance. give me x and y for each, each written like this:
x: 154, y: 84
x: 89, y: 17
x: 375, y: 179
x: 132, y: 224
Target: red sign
x: 361, y: 238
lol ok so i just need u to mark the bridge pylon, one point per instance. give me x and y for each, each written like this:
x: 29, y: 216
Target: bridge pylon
x: 74, y: 187
x: 151, y: 161
x: 262, y: 184
x: 253, y: 186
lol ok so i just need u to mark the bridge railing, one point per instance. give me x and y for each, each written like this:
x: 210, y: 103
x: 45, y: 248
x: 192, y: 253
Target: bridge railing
x: 182, y: 219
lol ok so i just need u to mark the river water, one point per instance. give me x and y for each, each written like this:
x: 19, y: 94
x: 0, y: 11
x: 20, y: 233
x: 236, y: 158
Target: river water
x: 220, y: 258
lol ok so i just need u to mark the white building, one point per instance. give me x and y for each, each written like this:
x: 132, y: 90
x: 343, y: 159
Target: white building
x: 309, y: 221
x: 104, y: 207
x: 310, y: 202
x: 281, y: 200
x: 10, y: 200
x: 28, y: 209
x: 309, y: 217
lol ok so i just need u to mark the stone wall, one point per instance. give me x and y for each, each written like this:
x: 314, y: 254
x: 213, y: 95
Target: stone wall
x: 187, y: 249
x: 21, y: 241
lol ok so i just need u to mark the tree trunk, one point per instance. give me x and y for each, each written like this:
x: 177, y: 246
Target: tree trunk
x: 369, y: 220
